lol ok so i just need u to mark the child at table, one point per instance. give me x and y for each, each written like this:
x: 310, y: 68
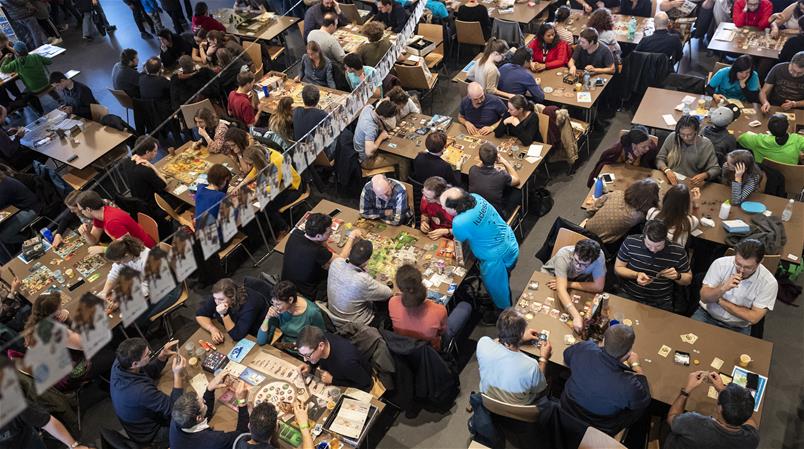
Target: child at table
x: 742, y: 174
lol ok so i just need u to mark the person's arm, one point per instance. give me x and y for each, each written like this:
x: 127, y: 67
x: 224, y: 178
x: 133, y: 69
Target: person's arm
x: 751, y: 314
x: 470, y: 127
x: 330, y: 79
x: 203, y: 316
x: 763, y: 96
x: 501, y: 129
x: 372, y: 146
x: 368, y: 207
x: 711, y: 167
x: 527, y: 130
x: 564, y: 297
x: 562, y: 57
x: 571, y: 63
x: 679, y: 404
x: 93, y: 236
x: 347, y: 248
x: 536, y: 93
x: 661, y: 157
x: 515, y: 181
x: 246, y: 317
x: 742, y: 188
x: 400, y: 206
x: 268, y: 328
x: 57, y: 430
x: 622, y: 271
x: 604, y: 70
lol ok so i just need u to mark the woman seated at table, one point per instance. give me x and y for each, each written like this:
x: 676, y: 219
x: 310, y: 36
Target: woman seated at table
x: 48, y: 305
x: 200, y: 45
x: 676, y: 212
x: 315, y: 67
x: 787, y: 19
x: 778, y: 146
x: 635, y: 147
x: 237, y: 307
x: 549, y: 51
x: 208, y: 196
x: 280, y: 124
x: 520, y: 121
x: 740, y: 81
x: 289, y: 312
x: 591, y: 56
x: 560, y: 22
x: 485, y: 72
x: 603, y: 22
x: 405, y: 105
x: 435, y: 221
x: 743, y: 174
x: 686, y: 153
x: 254, y: 162
x: 615, y: 213
x: 210, y: 129
x: 472, y: 11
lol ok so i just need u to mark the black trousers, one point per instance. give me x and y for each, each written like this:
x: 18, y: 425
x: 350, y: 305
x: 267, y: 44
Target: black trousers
x: 140, y: 16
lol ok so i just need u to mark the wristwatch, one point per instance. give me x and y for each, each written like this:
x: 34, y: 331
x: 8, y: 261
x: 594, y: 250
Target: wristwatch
x: 684, y: 393
x: 634, y: 365
x: 75, y: 444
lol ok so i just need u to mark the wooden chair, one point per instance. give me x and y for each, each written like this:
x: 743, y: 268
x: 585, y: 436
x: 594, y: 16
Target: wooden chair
x: 544, y: 126
x: 566, y: 237
x: 125, y: 101
x: 770, y: 261
x: 415, y: 78
x: 793, y: 176
x: 148, y: 225
x: 524, y: 413
x: 185, y: 219
x: 188, y: 111
x: 302, y: 199
x: 98, y: 111
x: 718, y: 66
x: 595, y: 439
x: 409, y: 191
x: 258, y: 71
x: 434, y: 33
x: 469, y: 33
x: 369, y: 172
x: 78, y: 179
x: 515, y: 222
x: 254, y: 51
x: 166, y: 314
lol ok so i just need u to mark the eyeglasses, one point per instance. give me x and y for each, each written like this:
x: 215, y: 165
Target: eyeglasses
x: 308, y: 355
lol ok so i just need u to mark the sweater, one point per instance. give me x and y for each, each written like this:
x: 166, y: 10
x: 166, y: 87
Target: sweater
x: 351, y: 292
x: 30, y: 69
x: 613, y: 217
x: 291, y: 325
x: 208, y: 438
x: 759, y: 18
x: 696, y: 158
x: 526, y: 131
x: 558, y: 56
x: 246, y: 318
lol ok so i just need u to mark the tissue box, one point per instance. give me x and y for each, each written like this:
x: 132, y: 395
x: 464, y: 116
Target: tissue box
x: 419, y: 46
x: 736, y: 226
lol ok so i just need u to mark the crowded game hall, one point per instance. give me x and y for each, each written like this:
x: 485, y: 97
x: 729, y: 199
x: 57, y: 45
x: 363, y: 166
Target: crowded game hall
x: 430, y: 224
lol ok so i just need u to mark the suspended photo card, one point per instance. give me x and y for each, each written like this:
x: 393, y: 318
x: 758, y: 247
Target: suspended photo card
x: 227, y: 221
x: 11, y: 396
x: 245, y: 208
x: 261, y: 192
x: 48, y: 357
x: 299, y: 159
x: 182, y: 259
x: 208, y: 235
x: 274, y: 183
x: 92, y: 323
x: 287, y: 173
x: 129, y: 296
x: 157, y: 275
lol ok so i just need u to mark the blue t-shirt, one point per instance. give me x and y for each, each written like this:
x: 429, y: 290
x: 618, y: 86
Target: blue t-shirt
x: 207, y: 200
x: 489, y: 113
x: 366, y: 129
x: 722, y: 85
x: 519, y: 383
x: 488, y: 234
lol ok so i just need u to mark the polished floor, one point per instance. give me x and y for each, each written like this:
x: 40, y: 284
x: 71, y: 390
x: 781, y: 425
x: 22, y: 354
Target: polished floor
x: 783, y: 415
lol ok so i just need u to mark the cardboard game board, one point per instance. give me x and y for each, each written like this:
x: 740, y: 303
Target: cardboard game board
x: 89, y: 265
x: 187, y: 165
x: 40, y: 278
x: 70, y: 242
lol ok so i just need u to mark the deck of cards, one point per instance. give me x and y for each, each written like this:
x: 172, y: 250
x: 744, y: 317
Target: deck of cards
x: 689, y: 338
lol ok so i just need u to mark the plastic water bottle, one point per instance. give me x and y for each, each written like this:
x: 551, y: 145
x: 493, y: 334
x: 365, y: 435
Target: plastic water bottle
x: 787, y: 213
x: 586, y: 80
x: 725, y: 208
x: 598, y: 188
x: 632, y: 24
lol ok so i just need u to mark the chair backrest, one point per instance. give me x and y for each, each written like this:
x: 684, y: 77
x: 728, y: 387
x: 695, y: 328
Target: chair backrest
x: 164, y: 246
x: 718, y: 66
x: 469, y: 33
x: 148, y: 225
x: 793, y: 175
x: 412, y: 77
x: 122, y: 98
x: 433, y: 32
x: 254, y: 51
x: 166, y: 207
x: 349, y: 11
x: 98, y: 111
x: 566, y: 237
x: 188, y: 111
x: 409, y: 192
x: 525, y: 413
x: 258, y: 70
x: 596, y: 439
x: 544, y: 126
x: 770, y: 261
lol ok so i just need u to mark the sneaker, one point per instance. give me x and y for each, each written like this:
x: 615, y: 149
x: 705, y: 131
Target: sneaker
x: 146, y: 35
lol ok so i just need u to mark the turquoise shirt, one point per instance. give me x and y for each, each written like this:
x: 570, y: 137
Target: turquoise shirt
x: 722, y: 85
x: 488, y: 234
x: 291, y: 325
x: 354, y: 80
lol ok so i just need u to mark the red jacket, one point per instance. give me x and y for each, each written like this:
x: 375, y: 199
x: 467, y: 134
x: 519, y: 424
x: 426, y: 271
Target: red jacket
x: 208, y: 23
x: 557, y: 56
x: 759, y: 18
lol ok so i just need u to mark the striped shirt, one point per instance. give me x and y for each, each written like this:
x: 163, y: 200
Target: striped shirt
x: 638, y: 257
x: 741, y: 190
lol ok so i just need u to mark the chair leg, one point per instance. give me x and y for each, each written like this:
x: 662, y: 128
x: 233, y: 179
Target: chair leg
x: 251, y: 256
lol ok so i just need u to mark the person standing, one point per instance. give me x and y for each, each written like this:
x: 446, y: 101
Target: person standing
x: 141, y: 18
x: 125, y: 76
x: 22, y: 13
x: 492, y: 241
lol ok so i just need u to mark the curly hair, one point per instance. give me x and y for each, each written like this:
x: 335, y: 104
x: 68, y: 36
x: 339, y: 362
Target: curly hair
x: 601, y: 20
x: 235, y: 293
x: 643, y: 195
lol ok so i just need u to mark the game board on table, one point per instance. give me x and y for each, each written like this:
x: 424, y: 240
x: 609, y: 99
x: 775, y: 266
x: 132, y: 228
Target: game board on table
x: 350, y: 40
x: 70, y: 243
x: 289, y: 88
x: 187, y: 165
x: 391, y: 253
x: 284, y: 382
x: 39, y: 278
x: 89, y: 264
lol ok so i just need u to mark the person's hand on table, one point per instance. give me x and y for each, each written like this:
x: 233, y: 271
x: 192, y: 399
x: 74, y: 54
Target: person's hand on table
x: 589, y: 68
x: 537, y: 66
x: 356, y: 234
x: 470, y: 128
x: 765, y: 108
x: 168, y: 350
x: 695, y: 379
x: 530, y: 335
x: 438, y: 233
x: 671, y: 176
x: 19, y: 132
x: 96, y: 249
x: 669, y: 273
x: 300, y: 412
x: 698, y: 180
x: 716, y: 381
x: 788, y: 105
x: 217, y: 336
x: 577, y: 323
x: 383, y: 135
x: 304, y: 369
x: 326, y: 377
x: 739, y: 171
x: 717, y: 98
x: 66, y: 109
x: 546, y: 349
x: 643, y: 279
x: 695, y: 193
x: 241, y: 390
x: 551, y: 284
x: 179, y: 364
x: 56, y: 241
x: 111, y: 304
x: 425, y: 226
x: 217, y: 382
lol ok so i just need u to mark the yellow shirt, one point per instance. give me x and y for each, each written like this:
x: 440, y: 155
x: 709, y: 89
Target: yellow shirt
x: 277, y: 159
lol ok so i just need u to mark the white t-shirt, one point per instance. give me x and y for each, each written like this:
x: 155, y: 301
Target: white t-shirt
x: 136, y: 264
x: 682, y: 239
x: 759, y: 290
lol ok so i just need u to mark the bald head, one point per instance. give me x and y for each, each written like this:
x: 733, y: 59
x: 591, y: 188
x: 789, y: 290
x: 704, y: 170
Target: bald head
x: 453, y: 193
x: 456, y: 200
x: 475, y: 90
x: 381, y: 186
x: 660, y: 20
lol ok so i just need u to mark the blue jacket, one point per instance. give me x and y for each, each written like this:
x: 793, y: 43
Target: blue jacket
x: 209, y: 438
x: 141, y: 407
x: 149, y: 6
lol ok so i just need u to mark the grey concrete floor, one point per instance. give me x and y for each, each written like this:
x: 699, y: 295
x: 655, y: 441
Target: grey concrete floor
x: 783, y: 415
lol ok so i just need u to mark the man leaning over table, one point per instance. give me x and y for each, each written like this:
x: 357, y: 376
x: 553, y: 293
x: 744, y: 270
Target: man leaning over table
x: 338, y: 361
x: 738, y: 290
x: 784, y: 85
x: 480, y: 112
x: 580, y: 267
x: 143, y: 410
x: 730, y: 428
x: 371, y: 131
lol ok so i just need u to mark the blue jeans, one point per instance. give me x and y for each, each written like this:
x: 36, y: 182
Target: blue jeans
x: 163, y: 304
x: 703, y: 315
x: 456, y: 321
x: 30, y: 32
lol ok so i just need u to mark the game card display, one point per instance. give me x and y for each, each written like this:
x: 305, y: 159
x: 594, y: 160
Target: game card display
x: 11, y: 395
x: 48, y: 358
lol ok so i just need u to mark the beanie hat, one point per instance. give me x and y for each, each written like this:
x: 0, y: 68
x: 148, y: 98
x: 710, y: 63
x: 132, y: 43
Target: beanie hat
x: 722, y: 116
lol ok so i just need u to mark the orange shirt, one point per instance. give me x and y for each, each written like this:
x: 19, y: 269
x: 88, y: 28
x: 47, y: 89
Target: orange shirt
x: 428, y: 321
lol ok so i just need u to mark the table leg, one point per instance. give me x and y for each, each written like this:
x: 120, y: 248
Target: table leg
x: 264, y: 239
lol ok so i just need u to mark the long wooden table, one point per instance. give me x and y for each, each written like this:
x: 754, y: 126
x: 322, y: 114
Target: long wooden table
x: 265, y: 27
x: 654, y: 328
x: 79, y: 151
x: 225, y: 418
x: 330, y: 98
x: 425, y: 246
x: 747, y: 41
x: 578, y: 19
x: 658, y: 102
x: 712, y: 195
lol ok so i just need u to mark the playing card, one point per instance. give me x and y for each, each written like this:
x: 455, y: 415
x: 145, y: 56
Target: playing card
x: 712, y: 393
x: 692, y: 338
x: 716, y: 363
x: 664, y: 350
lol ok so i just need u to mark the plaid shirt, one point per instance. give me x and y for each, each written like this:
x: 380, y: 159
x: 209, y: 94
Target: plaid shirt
x: 374, y: 207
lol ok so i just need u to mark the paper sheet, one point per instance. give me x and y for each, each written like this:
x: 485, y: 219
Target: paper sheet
x: 535, y: 151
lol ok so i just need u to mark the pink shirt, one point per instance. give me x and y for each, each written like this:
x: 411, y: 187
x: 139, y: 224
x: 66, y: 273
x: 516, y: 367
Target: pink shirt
x: 428, y: 321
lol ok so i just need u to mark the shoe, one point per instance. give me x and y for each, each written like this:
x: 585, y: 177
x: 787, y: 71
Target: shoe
x: 146, y: 35
x: 111, y: 28
x: 54, y: 40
